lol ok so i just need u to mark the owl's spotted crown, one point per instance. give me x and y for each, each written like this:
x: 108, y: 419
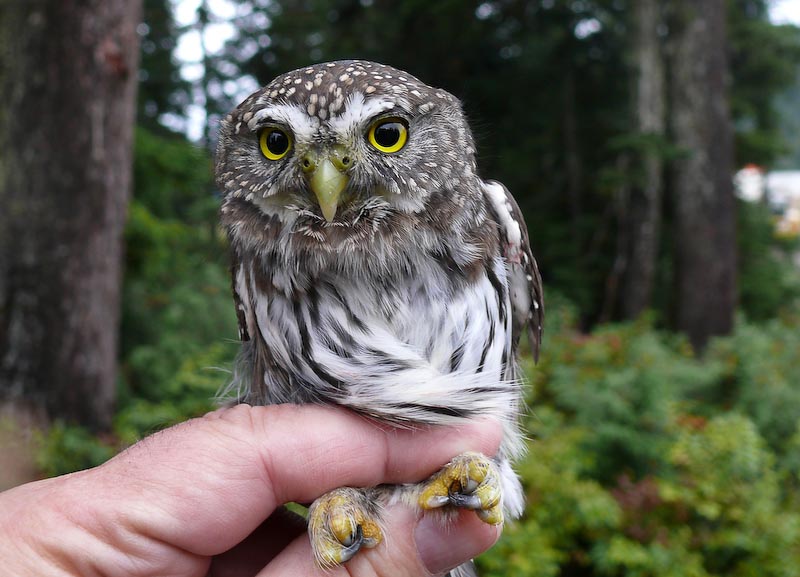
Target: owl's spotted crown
x: 323, y: 88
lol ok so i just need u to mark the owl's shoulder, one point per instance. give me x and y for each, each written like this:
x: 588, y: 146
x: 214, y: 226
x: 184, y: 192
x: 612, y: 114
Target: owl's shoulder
x: 524, y: 280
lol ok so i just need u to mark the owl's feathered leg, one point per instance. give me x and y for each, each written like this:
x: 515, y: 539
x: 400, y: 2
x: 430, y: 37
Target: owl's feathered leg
x: 343, y: 521
x: 469, y: 481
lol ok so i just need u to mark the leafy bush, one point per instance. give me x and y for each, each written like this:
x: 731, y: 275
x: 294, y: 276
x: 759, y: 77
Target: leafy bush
x: 647, y: 461
x: 65, y: 449
x: 564, y: 507
x: 768, y: 280
x: 176, y: 295
x: 178, y: 321
x: 728, y: 490
x: 760, y: 377
x: 623, y: 383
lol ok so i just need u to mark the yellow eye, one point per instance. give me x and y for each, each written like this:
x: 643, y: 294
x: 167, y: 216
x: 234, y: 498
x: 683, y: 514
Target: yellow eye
x: 274, y: 142
x: 388, y: 134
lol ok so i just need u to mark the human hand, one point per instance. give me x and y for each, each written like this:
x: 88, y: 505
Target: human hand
x: 203, y: 499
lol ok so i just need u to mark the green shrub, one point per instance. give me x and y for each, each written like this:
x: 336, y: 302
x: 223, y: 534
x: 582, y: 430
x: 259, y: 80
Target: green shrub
x: 761, y: 377
x: 564, y: 509
x: 768, y: 279
x: 646, y: 461
x: 189, y: 392
x: 728, y: 490
x: 64, y: 449
x: 624, y: 383
x: 176, y: 296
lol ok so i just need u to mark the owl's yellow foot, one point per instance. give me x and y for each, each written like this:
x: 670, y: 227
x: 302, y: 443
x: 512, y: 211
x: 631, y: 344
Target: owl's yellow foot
x: 470, y: 481
x: 340, y: 523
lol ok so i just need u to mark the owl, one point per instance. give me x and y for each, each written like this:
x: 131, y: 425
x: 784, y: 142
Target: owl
x: 373, y: 269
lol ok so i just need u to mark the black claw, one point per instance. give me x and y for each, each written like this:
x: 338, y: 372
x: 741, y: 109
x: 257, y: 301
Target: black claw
x: 355, y: 544
x: 465, y: 501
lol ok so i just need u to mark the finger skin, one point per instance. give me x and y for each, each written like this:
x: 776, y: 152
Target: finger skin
x: 257, y: 458
x: 261, y: 546
x: 170, y: 502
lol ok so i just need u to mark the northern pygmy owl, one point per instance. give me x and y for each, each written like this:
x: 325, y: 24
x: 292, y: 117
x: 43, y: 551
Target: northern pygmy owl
x: 374, y: 269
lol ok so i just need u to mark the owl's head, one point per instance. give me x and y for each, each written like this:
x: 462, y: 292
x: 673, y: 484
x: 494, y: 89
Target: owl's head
x: 341, y: 146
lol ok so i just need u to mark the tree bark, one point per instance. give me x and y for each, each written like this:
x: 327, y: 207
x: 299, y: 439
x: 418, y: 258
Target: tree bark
x: 644, y: 206
x: 705, y: 210
x: 68, y: 71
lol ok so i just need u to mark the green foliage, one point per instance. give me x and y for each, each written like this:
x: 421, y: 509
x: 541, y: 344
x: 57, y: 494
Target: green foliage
x: 789, y: 112
x: 624, y: 382
x: 728, y: 489
x: 172, y: 178
x: 761, y: 379
x: 188, y: 392
x: 176, y: 296
x: 65, y: 449
x: 647, y: 461
x: 763, y: 63
x: 564, y: 508
x: 768, y: 279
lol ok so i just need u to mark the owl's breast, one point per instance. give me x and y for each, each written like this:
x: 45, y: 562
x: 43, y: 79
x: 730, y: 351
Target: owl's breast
x: 359, y: 341
x: 343, y: 333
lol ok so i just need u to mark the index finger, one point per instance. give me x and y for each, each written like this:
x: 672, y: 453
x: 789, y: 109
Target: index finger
x: 205, y: 485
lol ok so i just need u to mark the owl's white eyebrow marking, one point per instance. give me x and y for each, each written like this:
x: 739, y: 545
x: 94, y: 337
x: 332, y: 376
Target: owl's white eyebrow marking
x: 358, y: 109
x: 292, y: 115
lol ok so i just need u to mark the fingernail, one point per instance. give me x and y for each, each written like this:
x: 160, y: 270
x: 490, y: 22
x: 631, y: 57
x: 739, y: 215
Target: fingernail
x: 442, y: 546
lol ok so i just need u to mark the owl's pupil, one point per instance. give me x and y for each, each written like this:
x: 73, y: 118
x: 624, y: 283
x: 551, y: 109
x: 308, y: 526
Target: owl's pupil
x: 388, y: 134
x: 277, y: 142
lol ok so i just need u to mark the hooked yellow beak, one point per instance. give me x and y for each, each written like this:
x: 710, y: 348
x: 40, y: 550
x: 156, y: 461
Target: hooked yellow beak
x: 327, y: 178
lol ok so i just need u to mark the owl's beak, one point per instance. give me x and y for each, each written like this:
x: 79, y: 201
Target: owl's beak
x: 327, y: 179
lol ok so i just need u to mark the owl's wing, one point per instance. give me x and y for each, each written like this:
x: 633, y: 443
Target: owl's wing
x: 241, y: 314
x: 524, y: 280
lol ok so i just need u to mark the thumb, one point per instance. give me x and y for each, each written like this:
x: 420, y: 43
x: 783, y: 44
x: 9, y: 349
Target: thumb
x: 413, y: 546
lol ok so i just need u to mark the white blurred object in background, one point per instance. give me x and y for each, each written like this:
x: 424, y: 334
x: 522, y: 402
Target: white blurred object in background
x: 749, y: 183
x: 780, y: 189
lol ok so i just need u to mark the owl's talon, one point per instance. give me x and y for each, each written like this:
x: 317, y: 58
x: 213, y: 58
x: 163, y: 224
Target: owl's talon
x: 352, y: 545
x: 470, y: 481
x: 340, y: 524
x: 492, y: 516
x: 467, y: 501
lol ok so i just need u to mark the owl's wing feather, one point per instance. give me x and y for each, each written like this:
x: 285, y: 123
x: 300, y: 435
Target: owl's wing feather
x: 238, y: 300
x: 524, y: 280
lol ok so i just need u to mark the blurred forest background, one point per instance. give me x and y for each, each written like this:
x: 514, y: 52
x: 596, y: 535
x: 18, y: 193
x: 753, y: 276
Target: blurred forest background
x: 665, y: 411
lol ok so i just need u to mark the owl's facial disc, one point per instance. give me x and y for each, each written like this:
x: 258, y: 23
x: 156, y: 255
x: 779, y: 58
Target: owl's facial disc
x: 326, y: 171
x: 348, y: 159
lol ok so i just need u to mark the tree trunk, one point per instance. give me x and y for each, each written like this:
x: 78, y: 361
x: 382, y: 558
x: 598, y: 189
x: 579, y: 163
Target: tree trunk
x: 644, y: 207
x: 68, y: 71
x: 705, y: 210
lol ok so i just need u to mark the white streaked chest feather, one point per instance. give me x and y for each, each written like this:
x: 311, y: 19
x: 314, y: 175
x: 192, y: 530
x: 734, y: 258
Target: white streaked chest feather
x: 409, y: 343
